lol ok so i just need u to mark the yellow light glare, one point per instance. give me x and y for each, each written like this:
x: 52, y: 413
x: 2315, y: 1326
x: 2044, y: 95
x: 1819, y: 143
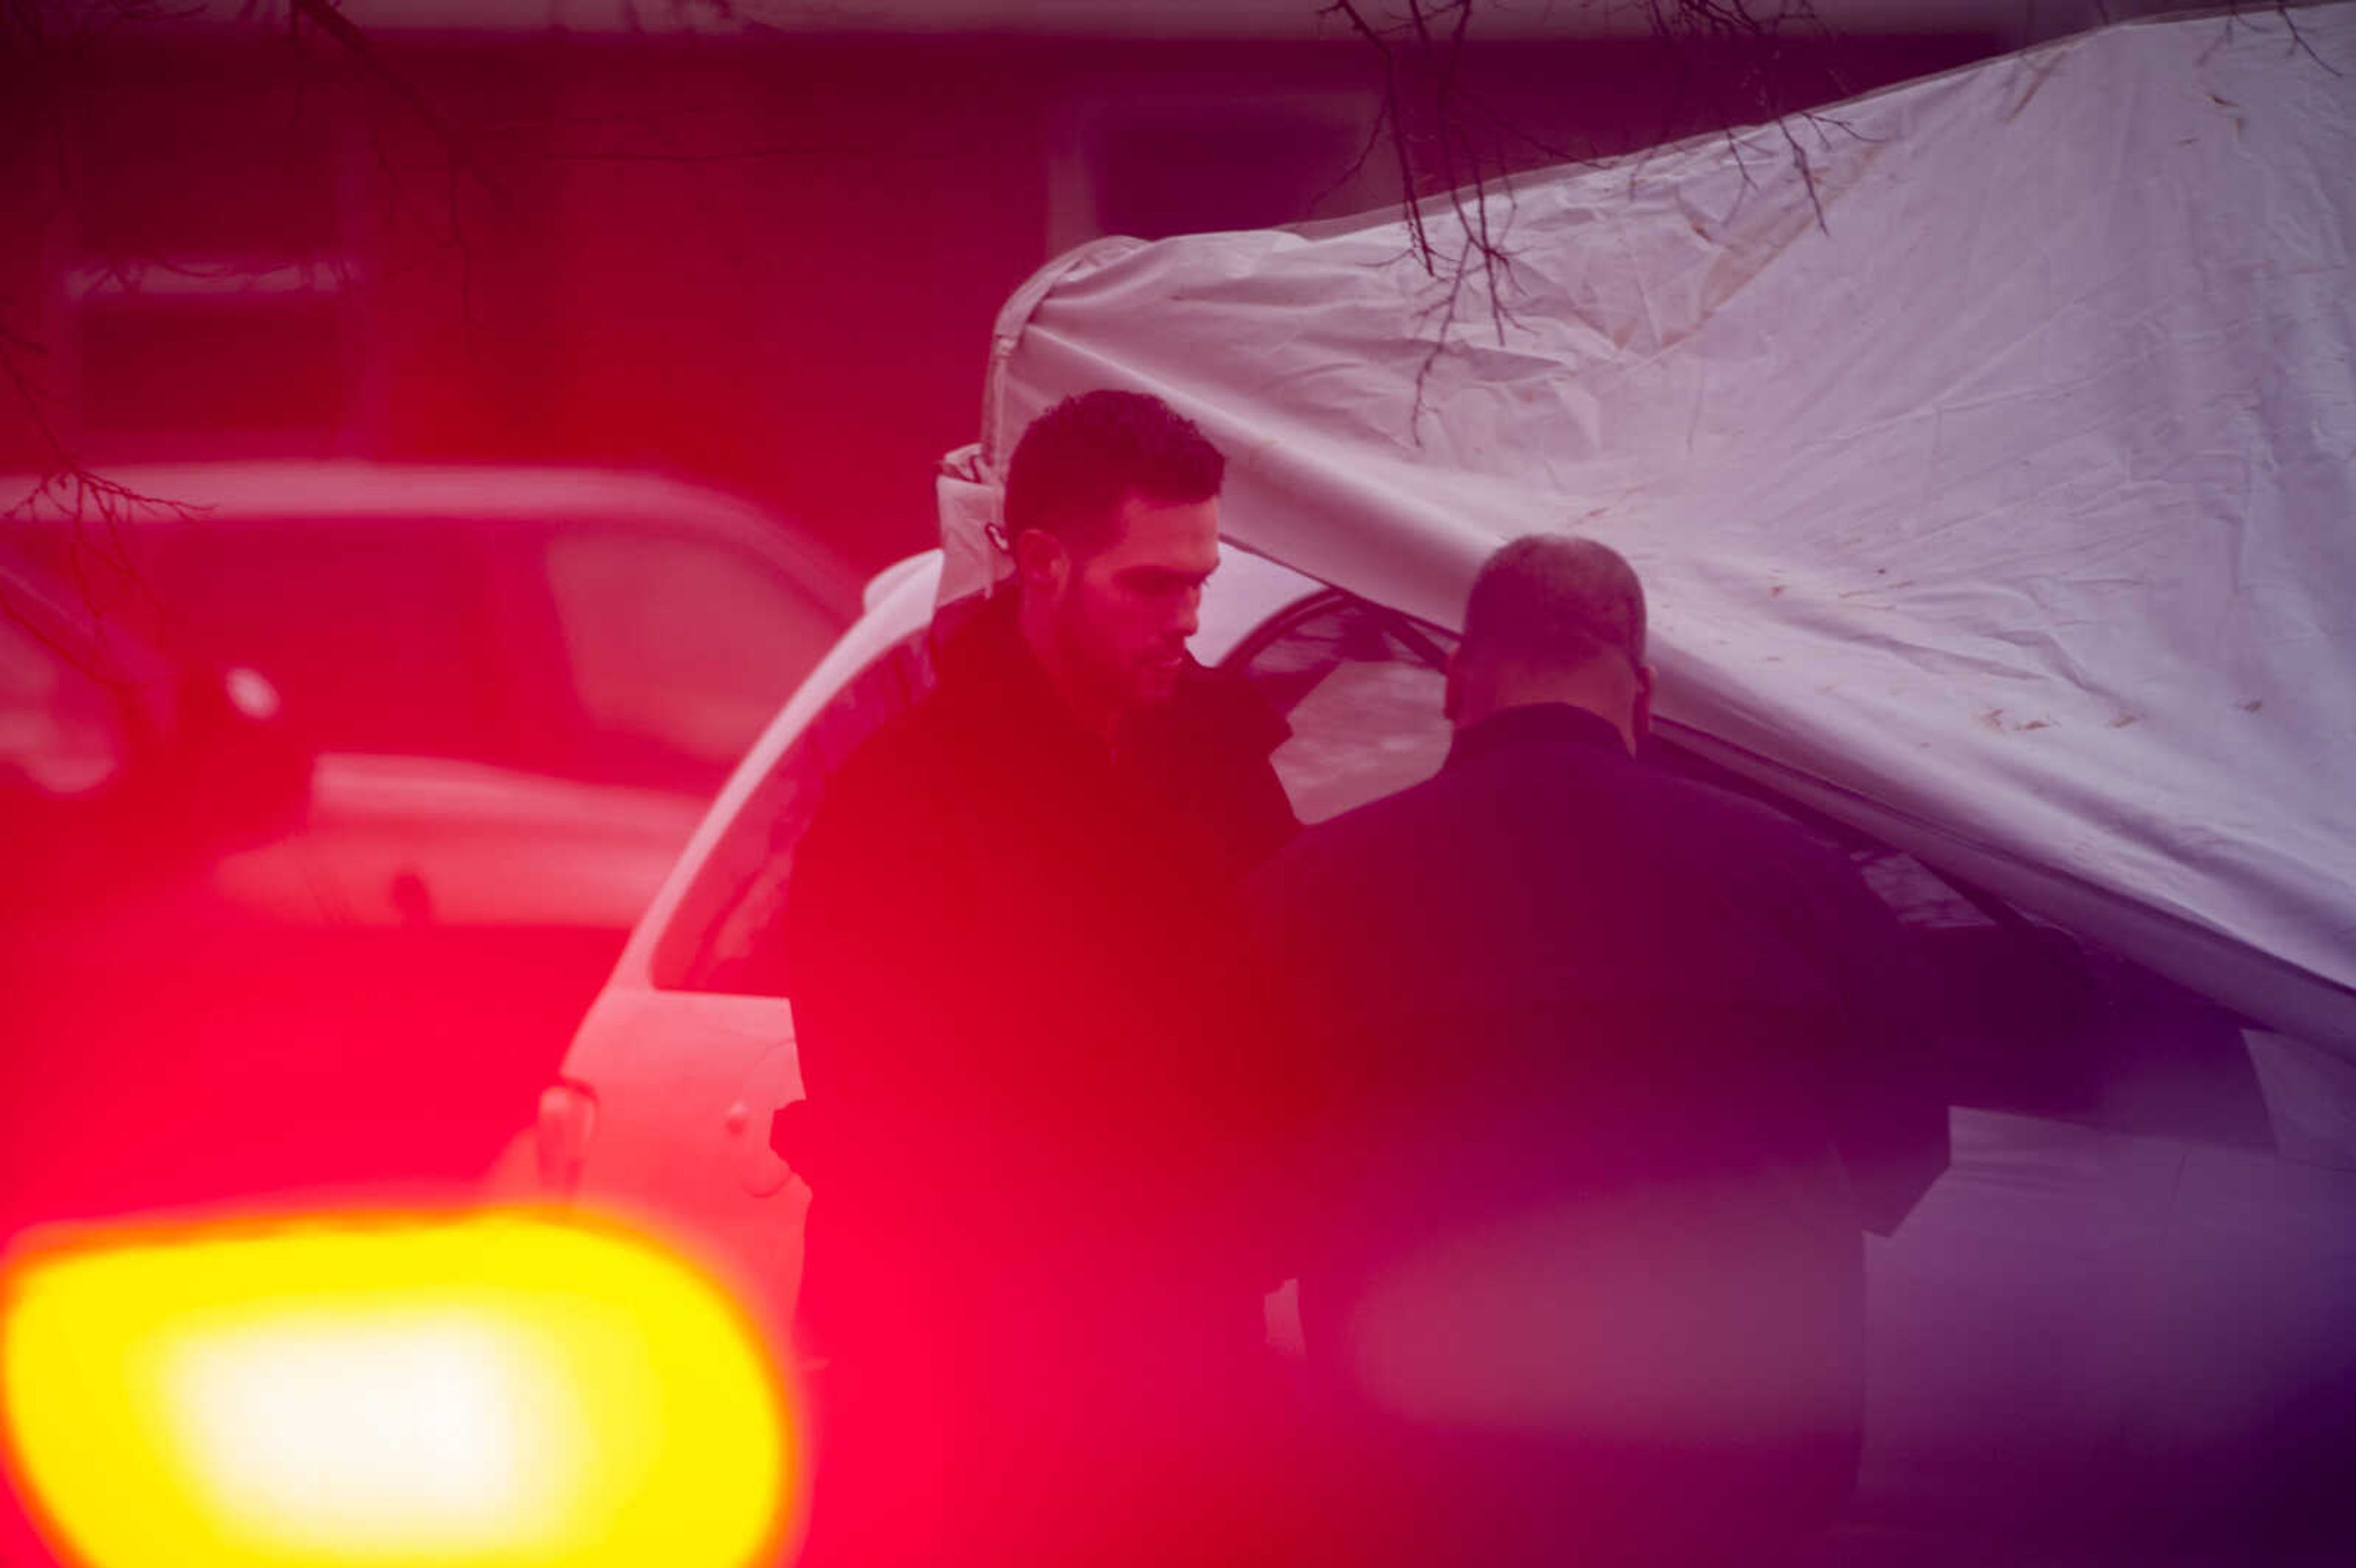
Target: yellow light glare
x: 458, y: 1406
x: 488, y: 1391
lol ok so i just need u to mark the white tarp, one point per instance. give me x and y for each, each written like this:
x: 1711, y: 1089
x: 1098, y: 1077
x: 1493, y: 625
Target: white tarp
x: 2016, y: 499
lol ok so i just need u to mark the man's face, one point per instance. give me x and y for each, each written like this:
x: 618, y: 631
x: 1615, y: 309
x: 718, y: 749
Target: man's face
x: 1128, y: 606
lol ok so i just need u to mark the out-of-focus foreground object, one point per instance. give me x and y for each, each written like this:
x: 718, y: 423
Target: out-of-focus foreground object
x: 458, y: 1390
x: 328, y: 791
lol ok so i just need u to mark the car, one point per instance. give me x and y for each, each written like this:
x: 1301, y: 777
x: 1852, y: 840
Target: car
x: 123, y: 771
x: 512, y: 691
x: 112, y: 754
x: 512, y: 642
x: 2125, y: 1301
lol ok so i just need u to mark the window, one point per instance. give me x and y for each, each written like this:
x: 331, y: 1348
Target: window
x: 1177, y: 153
x: 209, y: 288
x: 60, y: 733
x: 1362, y: 689
x: 268, y: 367
x: 1184, y: 167
x: 375, y: 633
x: 682, y: 651
x: 714, y: 942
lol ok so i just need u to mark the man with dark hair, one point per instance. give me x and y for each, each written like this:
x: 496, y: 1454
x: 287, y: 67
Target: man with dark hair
x: 1031, y: 1120
x: 1081, y: 459
x: 1611, y: 1069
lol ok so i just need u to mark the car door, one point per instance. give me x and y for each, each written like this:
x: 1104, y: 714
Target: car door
x: 663, y: 1110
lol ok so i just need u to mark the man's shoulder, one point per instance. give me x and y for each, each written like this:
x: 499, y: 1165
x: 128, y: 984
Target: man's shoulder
x: 1340, y: 849
x: 1734, y: 813
x: 897, y: 768
x: 1800, y: 872
x: 1537, y: 792
x: 1804, y: 844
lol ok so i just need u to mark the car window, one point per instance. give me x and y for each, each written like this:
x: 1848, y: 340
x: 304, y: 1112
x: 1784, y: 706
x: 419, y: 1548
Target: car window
x: 680, y: 650
x: 59, y: 731
x: 716, y: 940
x: 1361, y: 688
x: 2034, y: 1020
x: 376, y: 633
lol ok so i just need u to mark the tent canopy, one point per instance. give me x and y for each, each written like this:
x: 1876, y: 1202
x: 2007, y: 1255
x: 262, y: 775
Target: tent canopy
x: 1994, y: 479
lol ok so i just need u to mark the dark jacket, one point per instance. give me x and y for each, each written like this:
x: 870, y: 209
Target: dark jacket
x: 1029, y: 1105
x: 1610, y: 1068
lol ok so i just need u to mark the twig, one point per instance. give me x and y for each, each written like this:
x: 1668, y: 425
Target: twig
x: 323, y: 15
x: 2283, y: 9
x: 1418, y: 240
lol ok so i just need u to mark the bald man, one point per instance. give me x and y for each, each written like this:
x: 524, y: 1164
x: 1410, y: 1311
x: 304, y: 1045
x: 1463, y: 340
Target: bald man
x: 1608, y: 1071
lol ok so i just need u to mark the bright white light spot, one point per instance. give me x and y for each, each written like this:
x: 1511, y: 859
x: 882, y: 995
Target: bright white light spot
x: 251, y: 693
x: 407, y: 1434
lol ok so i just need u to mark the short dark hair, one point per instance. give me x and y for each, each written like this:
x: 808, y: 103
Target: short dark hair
x: 1081, y: 459
x: 1554, y: 601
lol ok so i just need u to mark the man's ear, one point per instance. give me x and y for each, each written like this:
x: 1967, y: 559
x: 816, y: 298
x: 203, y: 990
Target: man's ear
x: 1640, y: 711
x: 1041, y: 561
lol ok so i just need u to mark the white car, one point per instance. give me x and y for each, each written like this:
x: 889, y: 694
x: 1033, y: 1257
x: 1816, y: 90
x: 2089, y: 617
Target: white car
x: 2126, y: 1302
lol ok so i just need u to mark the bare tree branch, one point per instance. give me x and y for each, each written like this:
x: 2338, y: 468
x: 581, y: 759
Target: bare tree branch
x: 1417, y: 239
x: 1446, y: 141
x: 2282, y: 8
x: 1434, y: 123
x: 47, y: 53
x: 323, y: 15
x: 43, y: 47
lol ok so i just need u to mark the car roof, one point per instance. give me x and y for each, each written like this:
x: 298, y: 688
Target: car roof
x: 330, y: 487
x: 327, y: 491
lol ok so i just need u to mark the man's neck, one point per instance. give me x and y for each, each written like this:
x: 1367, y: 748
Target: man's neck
x: 1579, y: 690
x: 1098, y: 713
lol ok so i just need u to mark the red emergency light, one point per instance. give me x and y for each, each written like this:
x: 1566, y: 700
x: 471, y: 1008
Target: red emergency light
x: 481, y: 1390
